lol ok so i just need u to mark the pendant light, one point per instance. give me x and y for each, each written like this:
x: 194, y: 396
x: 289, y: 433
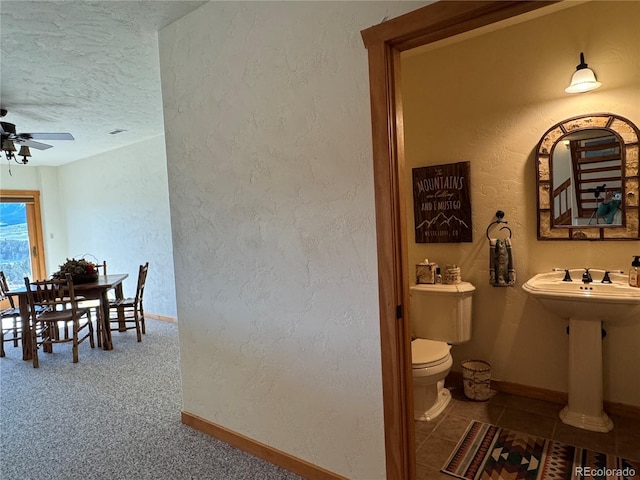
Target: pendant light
x: 25, y: 153
x: 583, y: 80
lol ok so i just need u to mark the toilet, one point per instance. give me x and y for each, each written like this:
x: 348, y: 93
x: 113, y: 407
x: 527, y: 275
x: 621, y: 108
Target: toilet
x: 440, y: 316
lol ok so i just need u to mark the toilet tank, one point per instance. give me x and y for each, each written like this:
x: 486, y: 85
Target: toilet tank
x: 441, y: 312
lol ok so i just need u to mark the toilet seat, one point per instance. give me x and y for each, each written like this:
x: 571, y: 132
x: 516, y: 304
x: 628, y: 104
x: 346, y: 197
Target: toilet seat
x: 428, y: 353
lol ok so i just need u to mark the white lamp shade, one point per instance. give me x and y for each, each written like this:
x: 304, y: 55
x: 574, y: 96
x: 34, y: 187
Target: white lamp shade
x: 584, y: 80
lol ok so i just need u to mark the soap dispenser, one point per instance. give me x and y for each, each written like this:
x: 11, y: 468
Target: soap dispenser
x: 634, y: 273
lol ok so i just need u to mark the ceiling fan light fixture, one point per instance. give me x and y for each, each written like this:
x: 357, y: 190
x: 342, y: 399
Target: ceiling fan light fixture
x: 25, y: 141
x: 24, y: 153
x: 8, y: 146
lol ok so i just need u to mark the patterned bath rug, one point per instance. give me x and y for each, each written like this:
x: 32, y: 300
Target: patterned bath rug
x: 488, y: 452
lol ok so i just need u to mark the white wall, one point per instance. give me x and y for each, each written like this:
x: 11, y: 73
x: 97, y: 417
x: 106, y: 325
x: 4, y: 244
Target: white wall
x: 271, y: 190
x: 116, y: 208
x: 519, y: 75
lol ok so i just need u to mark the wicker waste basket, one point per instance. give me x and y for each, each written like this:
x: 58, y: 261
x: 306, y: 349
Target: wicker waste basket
x: 476, y: 378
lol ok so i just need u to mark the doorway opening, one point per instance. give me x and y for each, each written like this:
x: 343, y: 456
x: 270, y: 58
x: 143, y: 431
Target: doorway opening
x: 385, y: 43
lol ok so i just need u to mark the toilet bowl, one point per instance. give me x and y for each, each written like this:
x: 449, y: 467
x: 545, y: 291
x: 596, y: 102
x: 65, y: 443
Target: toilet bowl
x: 431, y: 362
x: 440, y: 316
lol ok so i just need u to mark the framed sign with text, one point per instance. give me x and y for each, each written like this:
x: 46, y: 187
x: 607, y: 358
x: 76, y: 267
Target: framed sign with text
x: 442, y: 203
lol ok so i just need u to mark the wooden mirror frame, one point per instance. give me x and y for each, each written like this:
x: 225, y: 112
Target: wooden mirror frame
x: 384, y: 43
x: 628, y: 135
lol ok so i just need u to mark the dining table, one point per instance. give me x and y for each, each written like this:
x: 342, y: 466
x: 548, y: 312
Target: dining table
x: 95, y: 290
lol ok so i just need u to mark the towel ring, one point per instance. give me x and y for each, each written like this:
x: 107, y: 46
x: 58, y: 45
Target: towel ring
x: 499, y: 216
x: 510, y: 232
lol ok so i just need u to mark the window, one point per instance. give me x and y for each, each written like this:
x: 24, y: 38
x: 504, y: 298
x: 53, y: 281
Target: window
x: 21, y: 239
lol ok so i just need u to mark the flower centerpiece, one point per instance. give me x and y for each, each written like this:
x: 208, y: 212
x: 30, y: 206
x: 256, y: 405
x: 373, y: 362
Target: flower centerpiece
x: 82, y: 271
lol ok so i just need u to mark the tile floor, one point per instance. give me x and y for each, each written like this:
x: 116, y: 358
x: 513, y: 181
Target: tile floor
x: 436, y: 440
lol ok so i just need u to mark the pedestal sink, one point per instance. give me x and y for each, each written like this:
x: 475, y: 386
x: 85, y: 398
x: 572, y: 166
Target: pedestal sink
x: 586, y: 305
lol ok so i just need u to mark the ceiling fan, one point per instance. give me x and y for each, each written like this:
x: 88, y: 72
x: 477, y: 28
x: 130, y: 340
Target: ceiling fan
x: 10, y: 137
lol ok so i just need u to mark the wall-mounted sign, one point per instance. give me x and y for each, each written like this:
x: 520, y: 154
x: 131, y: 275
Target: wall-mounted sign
x: 442, y: 203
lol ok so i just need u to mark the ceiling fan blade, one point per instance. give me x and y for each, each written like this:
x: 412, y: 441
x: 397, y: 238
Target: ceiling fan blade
x: 32, y: 144
x: 47, y: 136
x: 7, y: 128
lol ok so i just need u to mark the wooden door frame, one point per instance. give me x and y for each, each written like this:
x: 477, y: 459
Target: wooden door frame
x: 384, y: 43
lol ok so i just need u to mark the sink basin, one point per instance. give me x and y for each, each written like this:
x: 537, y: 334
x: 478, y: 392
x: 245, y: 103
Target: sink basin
x: 586, y: 306
x: 586, y: 301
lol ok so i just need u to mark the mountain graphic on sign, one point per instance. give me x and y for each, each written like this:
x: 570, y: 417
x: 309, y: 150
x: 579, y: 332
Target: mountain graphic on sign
x: 442, y: 219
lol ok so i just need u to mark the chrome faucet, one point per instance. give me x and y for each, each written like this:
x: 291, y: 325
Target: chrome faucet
x: 586, y: 276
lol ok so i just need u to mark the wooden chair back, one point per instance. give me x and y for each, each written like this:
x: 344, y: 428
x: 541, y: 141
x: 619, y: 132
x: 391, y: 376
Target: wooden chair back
x: 102, y: 268
x: 51, y: 302
x: 9, y: 332
x: 51, y: 294
x: 4, y: 288
x: 142, y: 280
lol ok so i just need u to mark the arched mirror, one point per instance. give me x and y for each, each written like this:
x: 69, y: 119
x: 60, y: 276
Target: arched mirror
x: 587, y: 179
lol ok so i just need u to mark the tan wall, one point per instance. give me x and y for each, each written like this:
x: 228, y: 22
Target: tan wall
x: 488, y: 100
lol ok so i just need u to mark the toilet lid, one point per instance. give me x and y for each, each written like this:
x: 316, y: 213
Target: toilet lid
x: 425, y: 353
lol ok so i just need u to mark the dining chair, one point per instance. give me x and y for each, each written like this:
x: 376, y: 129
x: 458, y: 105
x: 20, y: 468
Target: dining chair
x: 102, y: 267
x: 128, y: 313
x: 51, y: 302
x: 11, y: 328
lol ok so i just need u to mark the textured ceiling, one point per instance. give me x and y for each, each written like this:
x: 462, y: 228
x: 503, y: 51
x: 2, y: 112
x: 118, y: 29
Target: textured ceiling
x: 86, y: 68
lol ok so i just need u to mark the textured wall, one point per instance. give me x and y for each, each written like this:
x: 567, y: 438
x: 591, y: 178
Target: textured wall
x: 116, y: 208
x: 271, y: 190
x: 488, y: 100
